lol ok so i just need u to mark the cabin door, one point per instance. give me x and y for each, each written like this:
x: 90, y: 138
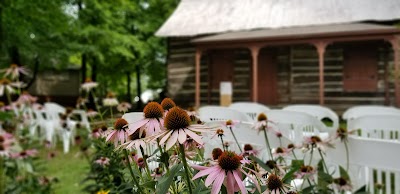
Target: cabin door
x: 220, y: 70
x: 360, y: 67
x: 267, y: 77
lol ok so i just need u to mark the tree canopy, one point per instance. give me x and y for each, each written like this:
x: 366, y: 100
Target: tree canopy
x: 108, y: 38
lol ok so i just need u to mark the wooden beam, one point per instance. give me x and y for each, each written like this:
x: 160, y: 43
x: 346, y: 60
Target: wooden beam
x: 394, y: 41
x: 321, y: 45
x: 254, y: 54
x: 197, y: 93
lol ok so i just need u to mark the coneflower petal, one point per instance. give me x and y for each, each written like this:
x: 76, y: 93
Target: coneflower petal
x: 204, y: 172
x: 239, y: 181
x: 134, y: 126
x: 172, y: 140
x: 210, y: 179
x: 230, y: 182
x: 194, y: 136
x: 218, y: 183
x: 181, y: 136
x: 166, y: 136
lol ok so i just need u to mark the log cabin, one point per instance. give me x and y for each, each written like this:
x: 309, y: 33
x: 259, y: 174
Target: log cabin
x: 336, y: 53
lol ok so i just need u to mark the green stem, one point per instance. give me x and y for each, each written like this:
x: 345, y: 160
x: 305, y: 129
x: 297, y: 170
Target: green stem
x: 268, y: 145
x: 222, y: 140
x: 182, y: 150
x: 2, y: 177
x: 347, y: 155
x: 97, y: 105
x: 145, y: 162
x: 311, y: 155
x: 294, y: 155
x: 131, y: 171
x: 323, y: 161
x: 234, y: 137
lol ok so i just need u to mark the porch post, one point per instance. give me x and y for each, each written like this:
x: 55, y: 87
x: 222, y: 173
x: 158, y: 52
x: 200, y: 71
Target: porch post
x: 197, y: 93
x: 254, y: 54
x: 321, y: 51
x: 395, y: 45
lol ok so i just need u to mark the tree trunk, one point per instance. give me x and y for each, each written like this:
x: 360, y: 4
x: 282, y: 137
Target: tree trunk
x: 35, y: 72
x: 14, y: 55
x: 83, y: 67
x: 139, y: 88
x: 128, y: 87
x: 94, y: 69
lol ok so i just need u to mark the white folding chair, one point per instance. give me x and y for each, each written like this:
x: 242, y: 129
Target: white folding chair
x: 83, y: 118
x: 377, y: 126
x: 252, y: 109
x: 373, y: 162
x: 218, y: 113
x: 318, y: 111
x: 295, y: 125
x: 132, y: 117
x: 358, y: 111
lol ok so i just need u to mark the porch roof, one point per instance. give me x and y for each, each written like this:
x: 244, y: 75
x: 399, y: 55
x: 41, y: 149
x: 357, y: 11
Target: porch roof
x: 349, y: 29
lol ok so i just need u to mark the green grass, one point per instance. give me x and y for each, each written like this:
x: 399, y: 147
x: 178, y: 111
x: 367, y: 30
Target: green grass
x: 70, y: 169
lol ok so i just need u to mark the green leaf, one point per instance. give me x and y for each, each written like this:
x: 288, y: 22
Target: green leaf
x: 362, y: 190
x: 343, y: 173
x: 165, y: 182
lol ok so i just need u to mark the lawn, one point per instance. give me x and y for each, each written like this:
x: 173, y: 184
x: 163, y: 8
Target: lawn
x: 70, y: 169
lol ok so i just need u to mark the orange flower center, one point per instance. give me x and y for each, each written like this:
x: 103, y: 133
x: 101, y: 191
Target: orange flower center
x: 315, y: 139
x: 290, y: 146
x: 262, y: 117
x: 229, y: 122
x: 279, y: 150
x: 120, y: 124
x: 13, y: 66
x: 220, y: 132
x: 274, y: 182
x: 271, y: 164
x: 229, y: 161
x: 5, y: 81
x: 248, y: 147
x: 340, y: 181
x: 306, y: 169
x: 176, y: 119
x: 153, y: 110
x: 167, y: 103
x: 216, y: 153
x: 88, y: 80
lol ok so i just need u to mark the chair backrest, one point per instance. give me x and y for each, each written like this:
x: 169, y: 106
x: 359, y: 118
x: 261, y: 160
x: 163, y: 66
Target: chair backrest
x: 358, y: 111
x: 377, y: 126
x: 83, y: 117
x: 318, y: 111
x: 252, y: 109
x: 295, y: 125
x: 53, y: 110
x: 132, y: 117
x: 217, y: 113
x: 375, y: 162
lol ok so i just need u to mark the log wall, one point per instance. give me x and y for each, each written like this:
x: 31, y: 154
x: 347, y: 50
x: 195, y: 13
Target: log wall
x: 298, y: 76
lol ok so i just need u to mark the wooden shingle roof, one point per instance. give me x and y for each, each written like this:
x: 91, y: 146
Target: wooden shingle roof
x: 199, y: 17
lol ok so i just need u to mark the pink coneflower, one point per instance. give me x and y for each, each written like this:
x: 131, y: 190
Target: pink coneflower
x: 262, y: 122
x: 177, y: 124
x: 4, y: 150
x: 228, y: 171
x: 316, y: 141
x: 89, y: 85
x: 26, y: 98
x: 135, y: 140
x: 91, y: 113
x: 14, y: 71
x: 306, y: 172
x: 167, y: 103
x: 103, y: 161
x: 342, y: 184
x: 7, y: 86
x: 118, y: 134
x: 124, y: 107
x: 157, y: 174
x: 230, y: 123
x: 275, y: 185
x: 96, y: 133
x: 248, y: 150
x: 280, y: 152
x: 25, y: 154
x: 153, y: 121
x: 110, y: 100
